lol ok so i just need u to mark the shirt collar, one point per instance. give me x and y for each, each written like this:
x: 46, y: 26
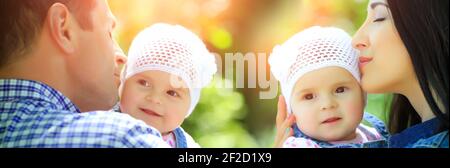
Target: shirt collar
x: 414, y: 133
x: 18, y: 89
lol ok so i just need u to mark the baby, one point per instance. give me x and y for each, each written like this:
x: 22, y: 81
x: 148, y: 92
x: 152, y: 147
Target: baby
x: 318, y: 72
x: 167, y: 67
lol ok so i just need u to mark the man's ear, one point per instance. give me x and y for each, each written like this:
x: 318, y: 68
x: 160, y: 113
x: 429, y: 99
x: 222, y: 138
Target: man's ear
x: 61, y: 27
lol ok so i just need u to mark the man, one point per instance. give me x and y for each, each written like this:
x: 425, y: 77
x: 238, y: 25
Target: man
x: 57, y: 67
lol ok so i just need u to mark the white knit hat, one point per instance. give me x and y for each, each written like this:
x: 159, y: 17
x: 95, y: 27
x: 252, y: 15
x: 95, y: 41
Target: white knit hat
x: 312, y: 49
x: 175, y: 50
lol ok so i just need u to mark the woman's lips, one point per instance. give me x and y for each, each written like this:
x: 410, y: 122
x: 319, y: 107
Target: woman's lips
x: 150, y: 112
x: 331, y: 120
x: 364, y: 61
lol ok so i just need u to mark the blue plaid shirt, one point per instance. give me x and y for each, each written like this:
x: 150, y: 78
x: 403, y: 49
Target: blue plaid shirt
x: 33, y: 114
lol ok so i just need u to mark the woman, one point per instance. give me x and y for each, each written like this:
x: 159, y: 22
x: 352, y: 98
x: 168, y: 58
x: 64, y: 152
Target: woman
x: 404, y: 51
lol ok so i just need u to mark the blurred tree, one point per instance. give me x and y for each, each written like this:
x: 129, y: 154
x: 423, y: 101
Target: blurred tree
x: 217, y: 118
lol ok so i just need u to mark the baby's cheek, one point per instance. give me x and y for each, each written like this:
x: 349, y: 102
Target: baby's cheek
x: 354, y: 109
x: 124, y: 106
x: 305, y: 118
x: 174, y: 119
x: 299, y: 115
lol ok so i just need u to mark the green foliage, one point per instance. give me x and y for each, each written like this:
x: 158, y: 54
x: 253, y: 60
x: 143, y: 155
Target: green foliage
x: 379, y: 105
x: 217, y: 118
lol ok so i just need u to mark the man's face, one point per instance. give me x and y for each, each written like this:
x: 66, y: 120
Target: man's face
x: 92, y: 66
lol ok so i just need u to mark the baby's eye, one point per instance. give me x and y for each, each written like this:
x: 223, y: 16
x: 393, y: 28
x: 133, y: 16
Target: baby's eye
x: 173, y: 93
x: 341, y: 89
x: 143, y: 83
x: 308, y: 96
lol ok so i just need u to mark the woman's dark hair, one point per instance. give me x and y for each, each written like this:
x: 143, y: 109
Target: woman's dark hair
x: 423, y: 28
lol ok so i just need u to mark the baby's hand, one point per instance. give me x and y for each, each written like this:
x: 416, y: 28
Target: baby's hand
x: 283, y: 124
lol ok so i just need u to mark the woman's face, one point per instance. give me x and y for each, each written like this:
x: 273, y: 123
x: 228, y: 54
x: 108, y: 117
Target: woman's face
x: 384, y: 62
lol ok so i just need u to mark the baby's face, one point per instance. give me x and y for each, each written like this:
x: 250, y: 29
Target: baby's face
x: 328, y: 104
x: 151, y: 97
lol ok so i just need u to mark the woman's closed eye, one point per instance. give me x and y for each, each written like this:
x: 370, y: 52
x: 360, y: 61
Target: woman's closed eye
x: 380, y: 19
x: 379, y: 16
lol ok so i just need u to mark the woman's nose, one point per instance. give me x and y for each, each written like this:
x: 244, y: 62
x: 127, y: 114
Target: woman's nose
x: 360, y: 46
x: 360, y: 41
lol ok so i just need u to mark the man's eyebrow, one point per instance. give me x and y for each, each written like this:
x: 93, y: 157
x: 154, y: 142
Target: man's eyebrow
x: 375, y: 4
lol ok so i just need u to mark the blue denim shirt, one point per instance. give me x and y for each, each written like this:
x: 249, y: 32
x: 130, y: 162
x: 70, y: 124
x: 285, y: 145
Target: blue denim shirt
x: 420, y: 136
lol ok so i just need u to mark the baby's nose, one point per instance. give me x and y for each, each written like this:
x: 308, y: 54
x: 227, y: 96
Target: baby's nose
x: 153, y: 99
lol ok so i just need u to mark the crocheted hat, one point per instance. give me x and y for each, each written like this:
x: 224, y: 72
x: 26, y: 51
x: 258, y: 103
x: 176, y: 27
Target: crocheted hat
x: 309, y: 50
x: 175, y: 50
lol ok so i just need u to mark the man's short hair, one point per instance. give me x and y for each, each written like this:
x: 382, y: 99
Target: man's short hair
x: 22, y: 20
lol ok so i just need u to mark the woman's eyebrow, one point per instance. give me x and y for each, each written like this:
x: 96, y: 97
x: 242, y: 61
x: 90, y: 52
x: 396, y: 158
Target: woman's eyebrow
x: 375, y: 4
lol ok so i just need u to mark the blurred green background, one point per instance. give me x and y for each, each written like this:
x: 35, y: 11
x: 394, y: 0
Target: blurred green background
x: 237, y: 117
